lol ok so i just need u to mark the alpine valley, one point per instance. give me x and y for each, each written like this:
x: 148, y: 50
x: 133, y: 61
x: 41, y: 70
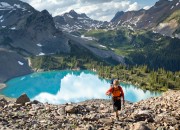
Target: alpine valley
x: 29, y: 38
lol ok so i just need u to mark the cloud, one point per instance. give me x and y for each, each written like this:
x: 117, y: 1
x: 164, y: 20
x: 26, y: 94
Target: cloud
x: 75, y: 89
x: 133, y: 6
x: 147, y: 7
x: 95, y: 9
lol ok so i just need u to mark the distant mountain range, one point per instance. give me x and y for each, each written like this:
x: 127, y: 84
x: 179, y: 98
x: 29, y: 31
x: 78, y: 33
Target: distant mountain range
x: 163, y: 18
x: 26, y: 32
x: 73, y: 21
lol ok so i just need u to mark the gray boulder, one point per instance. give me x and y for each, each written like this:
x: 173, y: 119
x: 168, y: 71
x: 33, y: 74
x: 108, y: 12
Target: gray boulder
x: 142, y: 115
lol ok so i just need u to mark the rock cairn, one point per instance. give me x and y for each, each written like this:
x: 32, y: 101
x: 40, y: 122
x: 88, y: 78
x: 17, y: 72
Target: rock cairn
x: 158, y: 113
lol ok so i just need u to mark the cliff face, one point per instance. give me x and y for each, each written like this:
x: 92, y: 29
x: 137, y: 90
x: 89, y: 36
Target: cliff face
x: 25, y: 32
x: 154, y: 113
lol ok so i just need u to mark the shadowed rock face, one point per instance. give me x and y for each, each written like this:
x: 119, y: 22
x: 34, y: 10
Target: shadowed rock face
x: 151, y: 114
x: 12, y: 65
x: 25, y: 32
x: 24, y: 27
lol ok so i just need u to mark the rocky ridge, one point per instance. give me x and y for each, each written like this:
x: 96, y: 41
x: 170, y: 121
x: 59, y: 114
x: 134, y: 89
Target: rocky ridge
x: 157, y: 113
x: 154, y: 19
x: 73, y: 21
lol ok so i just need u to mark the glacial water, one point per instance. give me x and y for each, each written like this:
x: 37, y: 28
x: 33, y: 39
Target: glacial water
x: 56, y: 87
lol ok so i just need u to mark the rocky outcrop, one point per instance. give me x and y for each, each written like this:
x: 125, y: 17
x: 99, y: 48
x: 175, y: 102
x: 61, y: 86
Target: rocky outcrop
x: 23, y: 99
x: 155, y: 113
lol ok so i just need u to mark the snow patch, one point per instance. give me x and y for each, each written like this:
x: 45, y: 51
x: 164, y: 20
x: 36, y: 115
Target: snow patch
x: 4, y: 5
x: 154, y: 31
x: 39, y: 45
x: 13, y: 28
x: 177, y: 4
x: 88, y: 38
x: 41, y: 54
x: 21, y: 63
x: 70, y: 16
x: 172, y: 7
x: 1, y: 16
x: 102, y: 46
x: 3, y: 26
x: 2, y: 20
x: 18, y: 6
x: 80, y: 18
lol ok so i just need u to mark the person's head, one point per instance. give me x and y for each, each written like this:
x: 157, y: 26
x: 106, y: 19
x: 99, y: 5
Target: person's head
x: 116, y: 82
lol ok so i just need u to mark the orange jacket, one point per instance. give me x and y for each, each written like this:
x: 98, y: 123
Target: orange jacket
x: 116, y: 92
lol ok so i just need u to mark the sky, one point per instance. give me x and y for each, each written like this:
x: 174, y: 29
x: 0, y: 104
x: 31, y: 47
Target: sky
x: 103, y: 10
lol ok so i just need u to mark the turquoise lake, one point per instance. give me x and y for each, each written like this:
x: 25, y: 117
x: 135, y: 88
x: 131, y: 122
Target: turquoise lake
x: 57, y: 87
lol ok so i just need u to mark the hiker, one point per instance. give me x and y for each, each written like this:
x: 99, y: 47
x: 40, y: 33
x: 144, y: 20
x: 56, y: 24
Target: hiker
x: 116, y: 92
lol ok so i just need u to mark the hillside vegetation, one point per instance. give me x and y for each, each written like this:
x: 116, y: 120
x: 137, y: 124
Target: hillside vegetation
x: 149, y: 56
x: 142, y: 76
x: 141, y: 47
x: 175, y: 15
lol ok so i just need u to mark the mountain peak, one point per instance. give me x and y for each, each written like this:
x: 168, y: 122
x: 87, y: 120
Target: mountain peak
x: 73, y: 13
x: 117, y: 16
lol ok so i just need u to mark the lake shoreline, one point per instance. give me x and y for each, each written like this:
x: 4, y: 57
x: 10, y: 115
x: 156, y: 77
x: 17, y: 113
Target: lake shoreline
x: 47, y: 79
x: 128, y: 81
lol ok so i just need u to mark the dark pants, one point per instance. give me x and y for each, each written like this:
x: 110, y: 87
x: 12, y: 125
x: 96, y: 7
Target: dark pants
x: 116, y: 103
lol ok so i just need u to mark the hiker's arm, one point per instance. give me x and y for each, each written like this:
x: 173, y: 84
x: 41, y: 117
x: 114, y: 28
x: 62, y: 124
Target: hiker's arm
x: 122, y: 95
x: 109, y: 91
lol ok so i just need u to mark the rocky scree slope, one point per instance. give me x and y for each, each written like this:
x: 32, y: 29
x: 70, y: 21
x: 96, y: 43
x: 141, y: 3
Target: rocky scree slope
x: 157, y: 113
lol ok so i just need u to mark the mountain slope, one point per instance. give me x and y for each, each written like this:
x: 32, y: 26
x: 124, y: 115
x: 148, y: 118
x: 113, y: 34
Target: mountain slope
x: 26, y: 32
x: 153, y: 18
x: 141, y: 47
x: 73, y: 21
